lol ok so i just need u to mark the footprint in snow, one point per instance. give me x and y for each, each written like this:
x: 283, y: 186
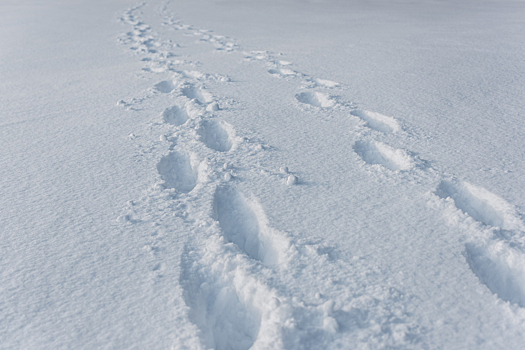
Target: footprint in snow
x: 216, y: 134
x: 498, y: 264
x: 175, y: 115
x: 323, y: 83
x: 317, y: 99
x: 282, y: 72
x: 194, y: 93
x: 378, y: 121
x: 373, y: 152
x: 481, y: 205
x: 165, y: 86
x: 220, y: 301
x: 244, y: 224
x: 179, y: 171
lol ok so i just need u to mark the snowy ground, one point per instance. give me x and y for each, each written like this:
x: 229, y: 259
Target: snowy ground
x: 262, y: 174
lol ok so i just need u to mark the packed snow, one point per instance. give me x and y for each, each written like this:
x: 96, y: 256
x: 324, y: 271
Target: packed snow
x: 293, y: 174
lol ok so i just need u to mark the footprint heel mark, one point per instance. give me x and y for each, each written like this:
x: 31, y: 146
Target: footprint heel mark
x: 178, y: 171
x: 482, y: 205
x: 194, y: 93
x: 378, y: 121
x: 175, y: 115
x: 500, y: 267
x: 224, y: 314
x: 373, y: 152
x: 244, y: 224
x: 216, y: 134
x: 317, y: 99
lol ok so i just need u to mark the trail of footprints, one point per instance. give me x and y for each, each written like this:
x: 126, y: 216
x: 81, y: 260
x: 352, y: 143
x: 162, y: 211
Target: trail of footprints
x: 229, y: 301
x: 496, y: 246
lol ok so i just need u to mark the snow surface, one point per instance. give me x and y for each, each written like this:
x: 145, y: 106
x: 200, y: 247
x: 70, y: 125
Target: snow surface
x: 251, y: 174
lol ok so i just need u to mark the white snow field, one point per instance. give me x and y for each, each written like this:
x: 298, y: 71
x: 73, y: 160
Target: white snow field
x: 249, y: 174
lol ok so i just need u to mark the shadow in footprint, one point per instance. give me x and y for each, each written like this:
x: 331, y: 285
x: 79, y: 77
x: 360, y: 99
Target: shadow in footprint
x: 216, y: 135
x: 317, y: 99
x: 165, y: 86
x: 226, y: 320
x: 175, y: 115
x: 501, y: 268
x: 177, y: 172
x: 198, y: 94
x: 244, y: 224
x: 481, y: 205
x: 238, y: 222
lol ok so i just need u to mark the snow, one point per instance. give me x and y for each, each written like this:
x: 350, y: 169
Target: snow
x: 262, y: 175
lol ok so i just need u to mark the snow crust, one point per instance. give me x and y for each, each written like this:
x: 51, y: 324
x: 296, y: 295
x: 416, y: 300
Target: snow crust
x: 262, y: 175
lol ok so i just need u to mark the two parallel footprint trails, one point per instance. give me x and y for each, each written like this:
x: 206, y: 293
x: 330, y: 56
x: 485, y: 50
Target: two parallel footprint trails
x: 234, y: 252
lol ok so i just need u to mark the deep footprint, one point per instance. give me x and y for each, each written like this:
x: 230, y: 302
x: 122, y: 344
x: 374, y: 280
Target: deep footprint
x: 378, y: 121
x: 501, y: 268
x: 373, y: 152
x: 175, y: 115
x: 177, y: 172
x: 238, y: 222
x: 481, y: 205
x: 200, y: 95
x: 216, y: 135
x: 243, y: 224
x: 224, y: 315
